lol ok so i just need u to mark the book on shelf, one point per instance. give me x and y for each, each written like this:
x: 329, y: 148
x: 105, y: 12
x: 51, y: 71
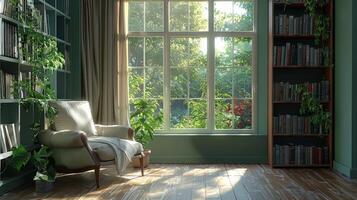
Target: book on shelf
x: 290, y: 1
x: 300, y: 155
x: 293, y: 25
x: 6, y: 83
x: 8, y: 39
x: 297, y: 54
x: 6, y: 8
x: 294, y: 125
x: 289, y: 92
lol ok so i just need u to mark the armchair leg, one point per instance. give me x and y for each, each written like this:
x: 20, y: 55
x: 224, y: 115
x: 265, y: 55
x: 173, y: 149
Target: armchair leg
x: 97, y: 171
x: 142, y: 165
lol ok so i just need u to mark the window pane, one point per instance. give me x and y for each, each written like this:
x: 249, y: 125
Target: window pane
x: 188, y: 16
x: 242, y: 51
x: 146, y: 16
x: 223, y: 114
x: 154, y: 51
x: 233, y: 114
x: 237, y: 15
x: 154, y: 83
x: 136, y: 83
x: 154, y: 16
x: 198, y: 83
x: 136, y: 16
x: 243, y: 83
x: 179, y: 82
x: 233, y: 52
x: 188, y: 52
x: 223, y: 82
x: 136, y: 52
x: 188, y: 113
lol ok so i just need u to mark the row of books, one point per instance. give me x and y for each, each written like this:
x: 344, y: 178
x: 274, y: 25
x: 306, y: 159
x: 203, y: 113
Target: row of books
x: 290, y: 1
x: 297, y: 54
x: 288, y: 92
x: 292, y: 154
x: 292, y: 25
x: 294, y: 125
x: 6, y: 82
x: 8, y: 39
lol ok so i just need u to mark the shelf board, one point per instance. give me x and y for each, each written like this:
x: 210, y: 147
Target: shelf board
x: 9, y: 19
x: 290, y: 5
x: 294, y: 37
x: 303, y: 135
x: 296, y: 102
x: 301, y: 166
x: 301, y: 67
x: 9, y: 100
x: 9, y: 59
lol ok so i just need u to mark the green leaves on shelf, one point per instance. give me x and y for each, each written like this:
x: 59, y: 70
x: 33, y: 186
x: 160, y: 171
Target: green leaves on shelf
x: 20, y: 158
x: 312, y: 107
x: 315, y: 8
x: 146, y: 118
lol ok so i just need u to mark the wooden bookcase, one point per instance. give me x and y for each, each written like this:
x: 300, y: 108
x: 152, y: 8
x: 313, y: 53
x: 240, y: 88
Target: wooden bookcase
x: 55, y: 23
x: 294, y: 67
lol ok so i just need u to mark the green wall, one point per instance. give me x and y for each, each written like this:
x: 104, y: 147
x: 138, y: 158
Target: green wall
x: 345, y: 160
x: 207, y: 148
x: 75, y: 81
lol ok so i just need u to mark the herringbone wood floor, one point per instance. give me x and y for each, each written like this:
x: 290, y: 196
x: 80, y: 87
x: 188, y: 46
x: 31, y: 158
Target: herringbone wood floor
x: 213, y: 182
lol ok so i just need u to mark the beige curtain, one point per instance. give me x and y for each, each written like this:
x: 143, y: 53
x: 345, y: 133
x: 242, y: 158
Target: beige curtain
x: 104, y: 60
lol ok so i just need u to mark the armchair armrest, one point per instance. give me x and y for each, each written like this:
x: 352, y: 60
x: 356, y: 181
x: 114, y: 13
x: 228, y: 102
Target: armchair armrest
x: 63, y: 139
x: 122, y: 132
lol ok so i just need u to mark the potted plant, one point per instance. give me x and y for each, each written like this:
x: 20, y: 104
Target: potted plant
x: 36, y: 91
x: 145, y: 119
x: 46, y: 173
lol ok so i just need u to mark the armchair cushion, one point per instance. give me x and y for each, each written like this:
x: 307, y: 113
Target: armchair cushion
x: 106, y: 153
x: 119, y: 131
x: 74, y: 115
x: 63, y: 139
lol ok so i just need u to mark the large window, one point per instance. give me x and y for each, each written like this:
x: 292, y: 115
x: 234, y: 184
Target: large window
x: 196, y: 59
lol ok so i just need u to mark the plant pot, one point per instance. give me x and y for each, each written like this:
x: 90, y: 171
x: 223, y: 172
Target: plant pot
x: 44, y: 186
x: 136, y: 161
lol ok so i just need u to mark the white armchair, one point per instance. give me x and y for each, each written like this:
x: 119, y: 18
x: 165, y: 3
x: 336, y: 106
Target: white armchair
x: 69, y: 141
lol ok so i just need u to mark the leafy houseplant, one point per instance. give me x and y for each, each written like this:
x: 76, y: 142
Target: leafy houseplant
x: 311, y: 106
x: 144, y: 120
x: 46, y: 173
x: 40, y: 51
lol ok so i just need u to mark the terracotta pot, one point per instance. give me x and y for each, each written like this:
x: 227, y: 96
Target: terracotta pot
x: 136, y: 161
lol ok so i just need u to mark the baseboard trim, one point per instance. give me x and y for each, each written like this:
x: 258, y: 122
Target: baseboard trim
x: 345, y: 170
x: 208, y: 160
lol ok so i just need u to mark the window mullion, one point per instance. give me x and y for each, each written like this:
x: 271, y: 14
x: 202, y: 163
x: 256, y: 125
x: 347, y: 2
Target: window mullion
x: 167, y: 92
x: 210, y: 71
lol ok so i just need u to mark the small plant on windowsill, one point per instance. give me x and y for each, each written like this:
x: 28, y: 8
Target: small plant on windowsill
x: 144, y: 120
x: 39, y: 51
x: 318, y: 114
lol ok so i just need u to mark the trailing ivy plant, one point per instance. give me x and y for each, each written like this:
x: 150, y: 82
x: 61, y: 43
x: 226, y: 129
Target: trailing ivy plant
x: 40, y: 51
x: 315, y: 8
x: 312, y: 107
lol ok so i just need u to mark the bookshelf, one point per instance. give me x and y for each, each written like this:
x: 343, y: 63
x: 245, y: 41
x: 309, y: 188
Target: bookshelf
x: 295, y: 60
x: 56, y: 23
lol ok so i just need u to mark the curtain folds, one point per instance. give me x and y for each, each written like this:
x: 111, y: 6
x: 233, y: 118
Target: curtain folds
x: 104, y: 60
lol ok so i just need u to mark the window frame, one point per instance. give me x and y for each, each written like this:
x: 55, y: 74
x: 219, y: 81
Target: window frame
x: 211, y: 34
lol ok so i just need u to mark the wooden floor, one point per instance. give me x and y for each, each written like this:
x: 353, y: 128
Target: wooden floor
x: 213, y: 182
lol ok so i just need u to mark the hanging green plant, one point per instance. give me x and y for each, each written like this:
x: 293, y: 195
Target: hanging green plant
x: 312, y: 107
x: 40, y: 51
